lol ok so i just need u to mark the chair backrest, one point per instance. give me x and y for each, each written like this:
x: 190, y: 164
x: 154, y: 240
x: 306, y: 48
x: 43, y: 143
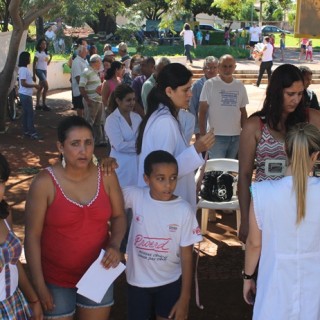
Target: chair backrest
x: 231, y: 165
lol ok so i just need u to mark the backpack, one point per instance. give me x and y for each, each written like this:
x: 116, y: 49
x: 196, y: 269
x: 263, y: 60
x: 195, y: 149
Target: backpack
x: 217, y: 186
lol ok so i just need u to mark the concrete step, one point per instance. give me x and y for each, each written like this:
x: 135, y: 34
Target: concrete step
x: 251, y: 76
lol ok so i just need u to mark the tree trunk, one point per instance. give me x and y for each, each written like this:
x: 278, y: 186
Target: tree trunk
x: 39, y: 28
x: 105, y: 23
x: 6, y: 74
x: 19, y: 25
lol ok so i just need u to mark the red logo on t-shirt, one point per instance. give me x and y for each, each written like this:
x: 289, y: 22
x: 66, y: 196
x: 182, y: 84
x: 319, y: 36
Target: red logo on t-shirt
x: 196, y: 231
x: 152, y: 244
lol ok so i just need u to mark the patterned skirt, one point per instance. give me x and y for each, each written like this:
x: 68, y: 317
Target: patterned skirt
x: 15, y: 307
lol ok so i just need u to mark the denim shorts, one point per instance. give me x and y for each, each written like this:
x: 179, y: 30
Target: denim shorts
x: 41, y: 74
x: 66, y: 300
x: 141, y: 301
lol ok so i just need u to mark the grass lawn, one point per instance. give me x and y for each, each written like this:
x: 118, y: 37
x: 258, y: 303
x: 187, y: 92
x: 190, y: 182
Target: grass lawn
x: 293, y: 42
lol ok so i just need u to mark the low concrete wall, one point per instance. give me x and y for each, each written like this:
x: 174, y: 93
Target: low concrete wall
x: 55, y: 76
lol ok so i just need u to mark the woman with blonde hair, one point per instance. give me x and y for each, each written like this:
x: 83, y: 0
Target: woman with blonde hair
x: 284, y: 236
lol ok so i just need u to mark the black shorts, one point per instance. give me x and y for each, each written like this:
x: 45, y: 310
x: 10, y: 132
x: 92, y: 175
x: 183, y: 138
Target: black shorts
x: 141, y: 301
x: 77, y: 102
x: 253, y: 43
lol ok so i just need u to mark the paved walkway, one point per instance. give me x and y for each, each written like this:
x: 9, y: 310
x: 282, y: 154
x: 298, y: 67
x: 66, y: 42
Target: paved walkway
x: 256, y: 95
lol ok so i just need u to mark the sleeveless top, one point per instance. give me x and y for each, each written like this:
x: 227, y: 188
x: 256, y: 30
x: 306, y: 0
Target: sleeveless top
x: 73, y: 234
x: 10, y: 251
x: 271, y: 158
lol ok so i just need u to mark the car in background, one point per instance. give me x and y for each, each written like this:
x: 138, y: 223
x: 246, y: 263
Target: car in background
x: 272, y: 29
x: 49, y: 24
x: 209, y: 27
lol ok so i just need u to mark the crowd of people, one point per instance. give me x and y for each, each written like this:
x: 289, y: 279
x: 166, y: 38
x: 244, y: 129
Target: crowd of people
x: 142, y: 199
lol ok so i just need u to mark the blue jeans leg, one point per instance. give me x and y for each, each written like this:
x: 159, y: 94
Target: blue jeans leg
x: 225, y: 147
x: 187, y: 53
x: 27, y: 116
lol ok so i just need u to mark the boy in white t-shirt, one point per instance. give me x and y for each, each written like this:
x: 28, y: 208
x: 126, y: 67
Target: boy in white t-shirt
x: 163, y: 231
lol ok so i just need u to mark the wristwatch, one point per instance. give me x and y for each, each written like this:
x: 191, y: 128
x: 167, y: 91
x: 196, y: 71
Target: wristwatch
x: 247, y: 276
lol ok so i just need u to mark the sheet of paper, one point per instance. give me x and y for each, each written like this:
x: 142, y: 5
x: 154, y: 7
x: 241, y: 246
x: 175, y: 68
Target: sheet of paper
x: 97, y: 280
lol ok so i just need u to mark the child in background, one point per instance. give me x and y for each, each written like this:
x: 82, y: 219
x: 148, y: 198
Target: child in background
x: 207, y: 38
x: 282, y: 45
x: 13, y: 304
x: 310, y: 97
x: 163, y: 231
x: 199, y: 37
x: 309, y: 51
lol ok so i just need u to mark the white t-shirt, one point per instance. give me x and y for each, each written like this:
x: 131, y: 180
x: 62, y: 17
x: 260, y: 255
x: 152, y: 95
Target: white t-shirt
x: 43, y: 58
x: 254, y: 33
x: 50, y: 34
x: 78, y: 65
x: 25, y: 74
x: 158, y: 230
x: 187, y: 37
x: 267, y: 54
x: 224, y: 100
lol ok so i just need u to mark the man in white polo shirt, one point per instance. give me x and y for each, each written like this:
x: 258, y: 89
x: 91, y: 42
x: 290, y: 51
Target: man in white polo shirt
x: 255, y: 33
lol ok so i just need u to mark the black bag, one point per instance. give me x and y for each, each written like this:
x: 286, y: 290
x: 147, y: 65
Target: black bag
x: 217, y: 186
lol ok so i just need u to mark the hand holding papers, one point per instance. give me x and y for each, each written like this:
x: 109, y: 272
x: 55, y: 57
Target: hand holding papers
x: 97, y: 280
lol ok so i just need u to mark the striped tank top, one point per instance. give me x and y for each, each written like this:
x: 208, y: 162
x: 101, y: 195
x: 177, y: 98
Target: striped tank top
x: 271, y: 159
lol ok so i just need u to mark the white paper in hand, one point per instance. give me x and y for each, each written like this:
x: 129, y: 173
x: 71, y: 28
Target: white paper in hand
x: 97, y: 280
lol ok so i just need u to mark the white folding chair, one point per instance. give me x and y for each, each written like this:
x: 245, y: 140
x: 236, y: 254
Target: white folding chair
x: 230, y: 165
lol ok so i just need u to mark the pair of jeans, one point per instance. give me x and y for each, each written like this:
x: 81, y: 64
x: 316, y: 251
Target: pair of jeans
x: 225, y: 147
x: 27, y: 115
x: 264, y: 66
x: 187, y: 53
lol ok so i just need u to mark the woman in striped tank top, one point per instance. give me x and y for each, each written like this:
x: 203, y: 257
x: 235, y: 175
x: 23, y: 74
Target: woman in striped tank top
x: 262, y: 137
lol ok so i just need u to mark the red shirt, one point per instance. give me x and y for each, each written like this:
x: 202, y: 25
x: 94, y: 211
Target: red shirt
x: 73, y: 235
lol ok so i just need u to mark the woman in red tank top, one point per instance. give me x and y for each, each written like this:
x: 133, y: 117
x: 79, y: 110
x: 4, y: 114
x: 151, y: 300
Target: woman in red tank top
x: 68, y: 211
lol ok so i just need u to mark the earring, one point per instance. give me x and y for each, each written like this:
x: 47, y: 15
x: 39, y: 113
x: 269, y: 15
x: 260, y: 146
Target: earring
x: 94, y: 160
x: 63, y: 161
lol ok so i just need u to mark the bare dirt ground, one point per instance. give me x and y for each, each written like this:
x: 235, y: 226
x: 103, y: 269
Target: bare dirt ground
x: 221, y: 256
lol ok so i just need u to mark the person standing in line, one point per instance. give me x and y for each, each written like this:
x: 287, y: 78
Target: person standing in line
x: 121, y: 128
x: 266, y: 61
x: 210, y: 70
x: 25, y: 93
x: 73, y: 211
x: 255, y: 33
x: 207, y: 37
x: 282, y: 45
x: 262, y: 137
x: 172, y: 93
x: 160, y: 280
x: 89, y: 82
x: 40, y: 65
x: 125, y: 57
x: 151, y: 81
x: 77, y: 68
x: 309, y: 51
x: 188, y: 40
x: 284, y: 233
x: 18, y: 299
x: 222, y: 108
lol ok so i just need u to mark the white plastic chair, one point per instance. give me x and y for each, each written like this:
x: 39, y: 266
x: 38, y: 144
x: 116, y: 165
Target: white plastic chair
x: 230, y: 165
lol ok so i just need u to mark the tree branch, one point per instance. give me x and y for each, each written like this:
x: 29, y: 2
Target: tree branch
x: 34, y: 13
